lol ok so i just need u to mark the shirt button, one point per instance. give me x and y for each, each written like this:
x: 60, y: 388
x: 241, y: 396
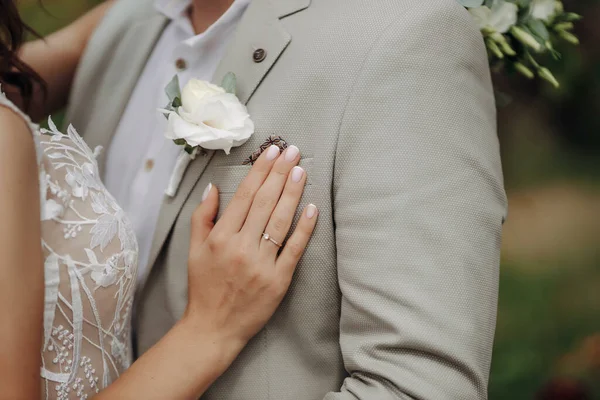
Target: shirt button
x: 180, y: 64
x: 259, y: 55
x: 148, y: 165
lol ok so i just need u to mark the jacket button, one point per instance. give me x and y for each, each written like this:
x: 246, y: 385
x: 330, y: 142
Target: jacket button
x: 259, y: 55
x: 180, y: 64
x: 149, y: 164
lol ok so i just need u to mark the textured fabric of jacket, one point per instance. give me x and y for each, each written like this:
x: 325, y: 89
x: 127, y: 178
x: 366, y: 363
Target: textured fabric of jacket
x: 391, y: 105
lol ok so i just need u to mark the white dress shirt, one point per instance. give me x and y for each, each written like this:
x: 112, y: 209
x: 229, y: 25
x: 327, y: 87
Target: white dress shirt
x: 140, y: 159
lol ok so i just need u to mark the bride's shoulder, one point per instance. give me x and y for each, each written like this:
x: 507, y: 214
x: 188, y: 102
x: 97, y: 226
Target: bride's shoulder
x: 15, y: 130
x: 18, y: 151
x: 12, y: 120
x: 14, y: 123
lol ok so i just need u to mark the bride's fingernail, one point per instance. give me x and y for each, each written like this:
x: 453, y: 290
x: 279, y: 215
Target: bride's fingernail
x: 297, y: 174
x: 206, y: 191
x: 272, y: 153
x: 311, y: 211
x: 291, y: 153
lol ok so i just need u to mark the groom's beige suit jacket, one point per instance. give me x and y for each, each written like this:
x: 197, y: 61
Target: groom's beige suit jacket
x: 391, y: 104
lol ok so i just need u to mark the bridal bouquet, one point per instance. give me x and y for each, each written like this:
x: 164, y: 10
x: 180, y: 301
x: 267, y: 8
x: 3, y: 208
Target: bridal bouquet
x: 518, y: 32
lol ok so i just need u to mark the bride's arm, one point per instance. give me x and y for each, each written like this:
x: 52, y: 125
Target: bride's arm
x: 55, y: 59
x: 182, y: 365
x: 236, y: 282
x: 21, y: 269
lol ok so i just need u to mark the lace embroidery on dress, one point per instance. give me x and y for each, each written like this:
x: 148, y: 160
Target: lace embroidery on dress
x: 90, y: 267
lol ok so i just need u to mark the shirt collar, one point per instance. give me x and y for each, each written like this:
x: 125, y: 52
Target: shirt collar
x: 173, y: 9
x: 176, y: 9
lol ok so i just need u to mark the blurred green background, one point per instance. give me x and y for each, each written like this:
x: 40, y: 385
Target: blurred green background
x: 548, y: 337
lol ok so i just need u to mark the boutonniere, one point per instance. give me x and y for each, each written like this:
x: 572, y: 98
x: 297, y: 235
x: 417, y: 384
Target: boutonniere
x: 204, y: 116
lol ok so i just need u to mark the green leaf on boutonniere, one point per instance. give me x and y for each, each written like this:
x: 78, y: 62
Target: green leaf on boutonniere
x: 172, y: 89
x: 174, y: 95
x: 229, y: 82
x: 180, y: 142
x: 188, y: 149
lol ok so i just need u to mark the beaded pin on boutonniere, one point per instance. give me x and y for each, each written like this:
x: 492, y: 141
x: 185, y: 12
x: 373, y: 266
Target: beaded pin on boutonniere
x: 271, y: 140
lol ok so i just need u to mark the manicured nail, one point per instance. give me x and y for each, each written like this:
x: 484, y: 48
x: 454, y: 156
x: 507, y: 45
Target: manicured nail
x: 311, y: 211
x: 206, y: 191
x: 291, y: 153
x: 272, y: 152
x: 297, y: 174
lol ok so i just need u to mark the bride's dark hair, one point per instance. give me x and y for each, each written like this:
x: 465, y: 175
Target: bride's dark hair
x: 14, y: 73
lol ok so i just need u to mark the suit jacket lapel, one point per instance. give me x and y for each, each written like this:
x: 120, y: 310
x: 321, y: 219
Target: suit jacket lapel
x: 139, y: 42
x: 259, y: 28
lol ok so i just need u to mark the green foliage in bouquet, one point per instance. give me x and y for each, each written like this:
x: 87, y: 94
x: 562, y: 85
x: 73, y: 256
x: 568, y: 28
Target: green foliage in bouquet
x: 519, y: 33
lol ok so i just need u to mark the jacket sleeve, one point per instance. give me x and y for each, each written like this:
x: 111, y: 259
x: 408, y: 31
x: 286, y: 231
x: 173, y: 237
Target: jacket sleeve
x: 419, y: 204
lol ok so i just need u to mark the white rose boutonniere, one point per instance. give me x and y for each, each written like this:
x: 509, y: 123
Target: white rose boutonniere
x: 204, y: 115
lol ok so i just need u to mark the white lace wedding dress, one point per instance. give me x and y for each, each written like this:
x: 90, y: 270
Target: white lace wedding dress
x: 90, y: 267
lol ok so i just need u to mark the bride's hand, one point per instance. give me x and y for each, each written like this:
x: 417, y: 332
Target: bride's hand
x: 236, y: 281
x: 237, y: 278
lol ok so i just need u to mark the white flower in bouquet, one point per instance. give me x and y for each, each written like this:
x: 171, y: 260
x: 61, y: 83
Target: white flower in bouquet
x: 543, y: 9
x: 499, y: 18
x: 518, y: 33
